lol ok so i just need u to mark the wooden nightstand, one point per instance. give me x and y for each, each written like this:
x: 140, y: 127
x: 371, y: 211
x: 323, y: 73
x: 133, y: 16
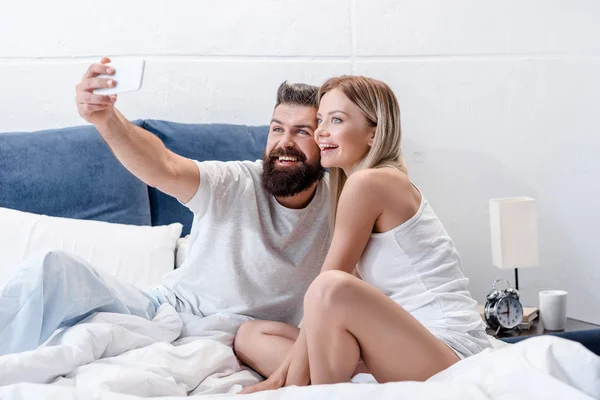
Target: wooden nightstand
x: 537, y: 328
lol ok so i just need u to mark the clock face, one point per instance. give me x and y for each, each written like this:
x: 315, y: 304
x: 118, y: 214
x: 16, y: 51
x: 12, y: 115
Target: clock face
x: 509, y: 312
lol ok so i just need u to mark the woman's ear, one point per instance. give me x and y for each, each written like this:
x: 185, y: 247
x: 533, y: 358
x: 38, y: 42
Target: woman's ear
x: 372, y: 136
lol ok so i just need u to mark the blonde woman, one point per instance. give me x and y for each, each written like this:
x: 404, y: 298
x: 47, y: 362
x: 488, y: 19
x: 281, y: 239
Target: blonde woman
x: 411, y: 315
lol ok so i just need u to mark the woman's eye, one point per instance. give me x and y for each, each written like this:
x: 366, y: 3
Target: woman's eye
x: 336, y: 120
x: 319, y: 121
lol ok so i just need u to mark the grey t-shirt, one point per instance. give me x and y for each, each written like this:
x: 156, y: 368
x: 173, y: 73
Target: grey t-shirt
x: 249, y: 254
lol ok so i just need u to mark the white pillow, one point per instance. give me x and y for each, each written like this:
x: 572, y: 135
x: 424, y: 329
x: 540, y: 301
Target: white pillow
x: 182, y: 251
x: 139, y: 255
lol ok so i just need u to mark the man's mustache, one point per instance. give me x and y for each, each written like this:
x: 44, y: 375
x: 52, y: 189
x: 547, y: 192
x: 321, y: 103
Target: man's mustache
x: 289, y: 152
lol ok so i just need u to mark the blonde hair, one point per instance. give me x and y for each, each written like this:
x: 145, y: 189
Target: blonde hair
x: 379, y: 105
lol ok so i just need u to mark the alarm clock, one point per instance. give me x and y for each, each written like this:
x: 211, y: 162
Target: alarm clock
x: 503, y: 310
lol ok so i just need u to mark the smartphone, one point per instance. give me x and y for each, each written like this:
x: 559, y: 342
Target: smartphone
x: 128, y: 76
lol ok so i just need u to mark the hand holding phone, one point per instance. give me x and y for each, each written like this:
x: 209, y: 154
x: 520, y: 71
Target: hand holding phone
x: 96, y: 92
x: 127, y: 77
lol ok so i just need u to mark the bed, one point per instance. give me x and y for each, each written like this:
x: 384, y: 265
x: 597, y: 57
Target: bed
x: 71, y: 173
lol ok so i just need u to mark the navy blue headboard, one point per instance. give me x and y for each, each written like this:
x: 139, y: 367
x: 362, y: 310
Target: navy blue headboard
x: 69, y: 173
x: 72, y: 173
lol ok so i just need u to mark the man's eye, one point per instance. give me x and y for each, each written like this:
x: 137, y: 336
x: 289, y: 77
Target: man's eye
x: 303, y: 132
x: 336, y: 120
x: 277, y: 130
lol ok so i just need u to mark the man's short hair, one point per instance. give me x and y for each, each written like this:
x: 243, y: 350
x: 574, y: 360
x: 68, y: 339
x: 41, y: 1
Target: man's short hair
x: 298, y: 94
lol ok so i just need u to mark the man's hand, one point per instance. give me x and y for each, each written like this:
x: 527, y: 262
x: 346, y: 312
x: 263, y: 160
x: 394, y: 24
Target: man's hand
x: 92, y: 107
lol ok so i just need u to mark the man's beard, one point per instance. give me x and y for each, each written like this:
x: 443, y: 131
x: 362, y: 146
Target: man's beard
x: 289, y: 181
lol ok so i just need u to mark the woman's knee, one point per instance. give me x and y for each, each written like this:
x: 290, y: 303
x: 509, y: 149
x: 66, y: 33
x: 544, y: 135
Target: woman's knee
x: 327, y: 291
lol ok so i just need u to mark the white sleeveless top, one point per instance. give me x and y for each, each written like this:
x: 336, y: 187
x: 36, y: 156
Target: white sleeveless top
x: 417, y: 265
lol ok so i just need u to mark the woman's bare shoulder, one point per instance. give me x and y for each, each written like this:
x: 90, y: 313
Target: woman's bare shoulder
x: 384, y: 197
x: 383, y: 181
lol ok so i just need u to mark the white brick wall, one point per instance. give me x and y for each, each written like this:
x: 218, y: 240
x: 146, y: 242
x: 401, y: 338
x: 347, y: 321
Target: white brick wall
x: 69, y: 28
x: 475, y: 27
x: 498, y: 98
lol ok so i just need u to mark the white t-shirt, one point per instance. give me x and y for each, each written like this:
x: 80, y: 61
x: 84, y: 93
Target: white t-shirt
x: 248, y: 254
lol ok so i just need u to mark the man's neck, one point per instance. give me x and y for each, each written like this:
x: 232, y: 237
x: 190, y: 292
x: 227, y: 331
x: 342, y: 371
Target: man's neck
x: 300, y: 200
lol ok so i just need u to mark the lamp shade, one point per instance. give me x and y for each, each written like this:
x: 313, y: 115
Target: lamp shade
x: 514, y: 233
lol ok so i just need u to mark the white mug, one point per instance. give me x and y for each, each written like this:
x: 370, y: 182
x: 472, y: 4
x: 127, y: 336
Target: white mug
x: 553, y: 309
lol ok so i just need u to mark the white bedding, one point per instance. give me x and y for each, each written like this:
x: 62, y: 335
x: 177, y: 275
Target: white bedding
x: 112, y: 356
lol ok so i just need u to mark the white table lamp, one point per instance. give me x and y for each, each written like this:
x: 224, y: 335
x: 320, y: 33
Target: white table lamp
x: 514, y: 233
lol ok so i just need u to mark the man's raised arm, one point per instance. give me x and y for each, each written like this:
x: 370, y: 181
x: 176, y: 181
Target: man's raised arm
x: 141, y: 152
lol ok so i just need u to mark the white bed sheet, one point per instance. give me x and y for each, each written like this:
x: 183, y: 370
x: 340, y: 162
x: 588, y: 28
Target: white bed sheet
x: 112, y: 356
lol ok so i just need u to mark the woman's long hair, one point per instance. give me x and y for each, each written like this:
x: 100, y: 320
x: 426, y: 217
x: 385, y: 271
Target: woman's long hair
x: 379, y: 105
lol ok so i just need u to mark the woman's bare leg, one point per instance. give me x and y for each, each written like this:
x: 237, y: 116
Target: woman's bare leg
x: 346, y: 318
x: 263, y: 345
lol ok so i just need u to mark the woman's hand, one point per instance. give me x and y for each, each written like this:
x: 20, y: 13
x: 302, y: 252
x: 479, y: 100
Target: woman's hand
x: 274, y: 382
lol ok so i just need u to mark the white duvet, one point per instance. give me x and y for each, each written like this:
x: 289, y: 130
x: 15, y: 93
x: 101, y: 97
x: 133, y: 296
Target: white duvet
x: 111, y: 356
